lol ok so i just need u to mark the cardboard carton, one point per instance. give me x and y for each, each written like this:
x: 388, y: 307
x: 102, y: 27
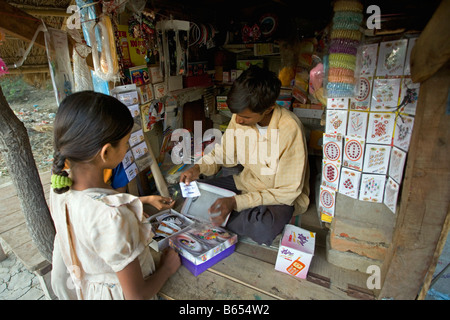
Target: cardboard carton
x: 296, y: 251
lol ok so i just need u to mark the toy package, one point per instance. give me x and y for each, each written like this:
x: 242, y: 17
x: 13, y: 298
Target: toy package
x: 202, y: 246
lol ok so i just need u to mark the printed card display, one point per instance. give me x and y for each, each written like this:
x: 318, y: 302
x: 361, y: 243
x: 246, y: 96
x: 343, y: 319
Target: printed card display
x: 403, y: 131
x: 336, y: 121
x: 353, y: 155
x: 128, y: 159
x: 140, y: 150
x: 332, y: 147
x: 357, y: 124
x: 337, y: 103
x: 349, y: 183
x: 376, y: 158
x: 131, y: 171
x: 368, y: 59
x: 380, y: 128
x: 391, y: 194
x: 134, y: 110
x: 409, y: 95
x: 372, y: 187
x: 391, y: 58
x: 362, y: 100
x: 327, y: 203
x: 330, y: 174
x: 397, y: 164
x: 136, y: 137
x: 385, y: 95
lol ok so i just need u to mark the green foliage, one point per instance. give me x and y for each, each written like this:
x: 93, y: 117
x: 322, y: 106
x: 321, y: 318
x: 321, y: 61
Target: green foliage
x: 14, y: 88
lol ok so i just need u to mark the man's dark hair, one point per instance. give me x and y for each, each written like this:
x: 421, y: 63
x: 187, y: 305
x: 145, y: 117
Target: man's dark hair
x: 256, y: 89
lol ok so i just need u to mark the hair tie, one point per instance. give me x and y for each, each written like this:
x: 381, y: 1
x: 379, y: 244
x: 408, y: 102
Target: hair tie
x: 59, y: 182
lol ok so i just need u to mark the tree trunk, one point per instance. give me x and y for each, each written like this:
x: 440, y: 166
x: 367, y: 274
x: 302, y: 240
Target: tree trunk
x: 16, y: 150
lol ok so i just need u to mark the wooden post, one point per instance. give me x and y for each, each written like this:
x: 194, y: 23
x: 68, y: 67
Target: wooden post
x: 425, y: 195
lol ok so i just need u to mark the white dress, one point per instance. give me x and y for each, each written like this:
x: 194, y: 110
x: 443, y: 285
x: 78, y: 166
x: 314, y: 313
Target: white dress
x: 101, y: 234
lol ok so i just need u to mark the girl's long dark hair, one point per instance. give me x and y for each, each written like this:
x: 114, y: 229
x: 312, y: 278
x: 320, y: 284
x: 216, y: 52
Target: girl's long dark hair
x: 84, y: 123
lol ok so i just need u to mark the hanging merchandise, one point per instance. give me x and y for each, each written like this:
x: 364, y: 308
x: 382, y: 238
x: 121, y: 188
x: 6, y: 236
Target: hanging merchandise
x: 81, y: 72
x: 57, y: 46
x: 345, y: 38
x: 103, y: 46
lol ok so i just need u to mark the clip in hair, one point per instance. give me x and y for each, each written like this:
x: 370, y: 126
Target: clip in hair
x: 59, y: 182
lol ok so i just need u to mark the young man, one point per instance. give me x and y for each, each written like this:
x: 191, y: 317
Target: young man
x: 268, y: 141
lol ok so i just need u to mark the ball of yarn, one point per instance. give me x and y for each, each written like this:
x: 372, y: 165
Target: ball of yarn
x: 348, y: 5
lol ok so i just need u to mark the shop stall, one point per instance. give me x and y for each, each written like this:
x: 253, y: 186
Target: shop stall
x: 351, y: 82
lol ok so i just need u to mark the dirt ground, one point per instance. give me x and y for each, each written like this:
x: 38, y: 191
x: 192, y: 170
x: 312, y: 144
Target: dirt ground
x: 36, y: 110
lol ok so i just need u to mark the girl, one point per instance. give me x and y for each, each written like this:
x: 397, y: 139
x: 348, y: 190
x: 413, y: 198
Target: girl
x: 101, y: 235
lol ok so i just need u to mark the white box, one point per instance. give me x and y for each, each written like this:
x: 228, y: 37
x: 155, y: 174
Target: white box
x: 193, y: 210
x: 296, y: 251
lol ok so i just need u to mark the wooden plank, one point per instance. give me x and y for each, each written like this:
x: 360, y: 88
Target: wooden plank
x: 10, y: 220
x: 16, y: 236
x: 30, y: 256
x: 425, y: 193
x: 432, y: 49
x: 8, y: 190
x: 183, y: 285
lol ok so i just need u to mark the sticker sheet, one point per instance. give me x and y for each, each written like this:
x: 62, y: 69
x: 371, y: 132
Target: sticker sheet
x: 327, y: 201
x: 336, y: 121
x: 357, y: 124
x: 407, y: 69
x: 330, y: 174
x: 353, y: 155
x: 349, y: 183
x: 362, y: 100
x: 337, y: 103
x: 380, y: 128
x: 391, y: 194
x: 397, y: 164
x: 332, y: 147
x: 409, y: 93
x: 385, y: 95
x: 368, y: 62
x: 372, y: 187
x: 391, y: 58
x: 376, y: 158
x: 403, y: 131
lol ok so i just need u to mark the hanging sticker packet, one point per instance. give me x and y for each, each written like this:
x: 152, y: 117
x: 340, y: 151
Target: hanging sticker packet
x: 380, y: 128
x: 336, y: 121
x: 376, y: 158
x: 368, y: 59
x: 349, y: 183
x: 337, y: 103
x: 409, y: 95
x: 397, y: 164
x: 372, y: 187
x: 332, y: 147
x: 357, y: 124
x: 362, y: 100
x: 391, y: 58
x: 391, y: 194
x: 385, y: 95
x: 353, y: 154
x: 330, y: 174
x: 403, y: 131
x: 327, y: 201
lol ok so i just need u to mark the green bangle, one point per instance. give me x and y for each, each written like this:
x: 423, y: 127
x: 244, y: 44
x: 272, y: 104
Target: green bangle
x: 59, y: 182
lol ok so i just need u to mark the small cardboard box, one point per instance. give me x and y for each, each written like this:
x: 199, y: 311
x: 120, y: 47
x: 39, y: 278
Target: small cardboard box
x: 296, y: 251
x: 193, y: 210
x: 202, y: 246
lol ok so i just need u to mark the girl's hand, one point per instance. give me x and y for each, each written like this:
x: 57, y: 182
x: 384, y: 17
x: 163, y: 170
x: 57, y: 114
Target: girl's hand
x: 159, y: 202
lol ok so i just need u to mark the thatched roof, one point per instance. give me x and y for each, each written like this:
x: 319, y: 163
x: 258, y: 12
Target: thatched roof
x: 53, y: 13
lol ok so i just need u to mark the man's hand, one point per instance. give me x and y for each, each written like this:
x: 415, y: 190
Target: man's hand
x: 190, y: 174
x: 220, y: 210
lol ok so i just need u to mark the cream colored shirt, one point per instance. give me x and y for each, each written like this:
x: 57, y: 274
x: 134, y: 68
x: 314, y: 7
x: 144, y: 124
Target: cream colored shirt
x: 276, y: 169
x: 108, y: 231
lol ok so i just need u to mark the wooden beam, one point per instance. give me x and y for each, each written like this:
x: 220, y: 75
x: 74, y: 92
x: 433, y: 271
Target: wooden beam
x: 425, y: 195
x: 432, y: 49
x: 20, y: 24
x: 31, y: 69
